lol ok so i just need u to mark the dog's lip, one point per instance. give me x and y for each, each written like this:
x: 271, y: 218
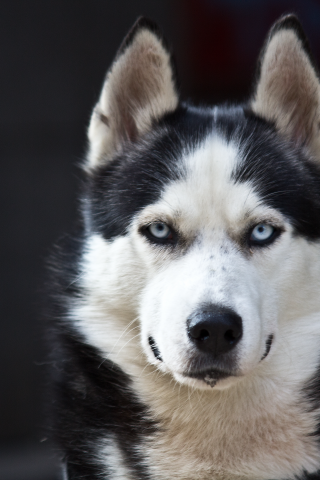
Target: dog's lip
x: 210, y: 376
x: 154, y: 348
x: 268, y: 347
x: 212, y: 373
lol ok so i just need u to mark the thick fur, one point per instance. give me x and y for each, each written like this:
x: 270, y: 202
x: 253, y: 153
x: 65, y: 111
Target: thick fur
x: 134, y: 398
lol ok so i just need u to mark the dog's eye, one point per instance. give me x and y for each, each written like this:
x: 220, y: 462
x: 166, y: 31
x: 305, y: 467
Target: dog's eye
x: 159, y: 233
x: 160, y: 230
x: 263, y: 234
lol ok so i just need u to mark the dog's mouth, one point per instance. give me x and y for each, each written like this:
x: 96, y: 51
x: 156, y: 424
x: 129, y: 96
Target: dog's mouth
x: 210, y: 375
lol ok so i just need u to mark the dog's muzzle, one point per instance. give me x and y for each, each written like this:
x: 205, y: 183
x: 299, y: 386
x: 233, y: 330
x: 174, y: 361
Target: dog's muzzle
x: 214, y: 332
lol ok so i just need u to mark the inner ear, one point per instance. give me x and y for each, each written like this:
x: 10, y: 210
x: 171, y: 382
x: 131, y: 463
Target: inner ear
x: 287, y: 89
x: 139, y: 89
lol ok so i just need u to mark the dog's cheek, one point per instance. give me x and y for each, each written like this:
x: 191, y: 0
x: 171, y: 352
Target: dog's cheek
x: 163, y: 313
x: 247, y: 300
x: 260, y: 305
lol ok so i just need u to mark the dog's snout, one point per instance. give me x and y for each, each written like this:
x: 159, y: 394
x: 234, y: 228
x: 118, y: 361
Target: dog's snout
x: 215, y: 329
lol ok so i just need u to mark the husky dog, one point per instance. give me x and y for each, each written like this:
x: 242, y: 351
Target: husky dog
x: 187, y: 307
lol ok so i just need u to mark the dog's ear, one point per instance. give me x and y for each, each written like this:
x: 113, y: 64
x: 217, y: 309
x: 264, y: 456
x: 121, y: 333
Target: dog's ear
x: 140, y: 87
x: 287, y: 90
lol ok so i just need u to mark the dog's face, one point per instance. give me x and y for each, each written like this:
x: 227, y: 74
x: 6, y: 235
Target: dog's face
x: 211, y: 247
x: 207, y: 210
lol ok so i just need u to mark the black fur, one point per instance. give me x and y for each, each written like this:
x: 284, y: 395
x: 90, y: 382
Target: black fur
x: 281, y: 174
x: 94, y: 400
x: 137, y: 176
x: 310, y: 476
x: 92, y: 397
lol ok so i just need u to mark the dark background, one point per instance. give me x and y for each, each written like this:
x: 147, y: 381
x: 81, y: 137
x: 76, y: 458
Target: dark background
x: 53, y: 58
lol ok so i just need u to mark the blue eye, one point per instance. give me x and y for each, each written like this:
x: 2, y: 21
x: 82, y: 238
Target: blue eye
x: 159, y: 230
x: 262, y: 234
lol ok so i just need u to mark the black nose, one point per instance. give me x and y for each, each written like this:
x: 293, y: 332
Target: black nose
x: 214, y: 329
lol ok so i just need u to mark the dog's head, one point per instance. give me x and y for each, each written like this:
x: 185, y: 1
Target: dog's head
x: 204, y: 214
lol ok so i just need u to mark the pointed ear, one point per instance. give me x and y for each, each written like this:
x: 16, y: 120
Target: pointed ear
x: 287, y: 90
x: 140, y: 87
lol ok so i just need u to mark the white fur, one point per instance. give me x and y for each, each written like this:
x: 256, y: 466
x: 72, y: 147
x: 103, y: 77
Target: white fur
x: 112, y: 455
x: 64, y: 472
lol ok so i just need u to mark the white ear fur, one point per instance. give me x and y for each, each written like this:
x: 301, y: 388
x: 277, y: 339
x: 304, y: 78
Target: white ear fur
x: 139, y: 88
x: 288, y: 91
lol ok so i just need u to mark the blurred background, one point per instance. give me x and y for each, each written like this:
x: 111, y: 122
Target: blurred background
x: 53, y: 58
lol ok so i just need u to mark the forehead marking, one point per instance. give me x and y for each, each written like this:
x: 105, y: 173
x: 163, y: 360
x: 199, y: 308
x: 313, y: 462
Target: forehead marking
x: 208, y: 192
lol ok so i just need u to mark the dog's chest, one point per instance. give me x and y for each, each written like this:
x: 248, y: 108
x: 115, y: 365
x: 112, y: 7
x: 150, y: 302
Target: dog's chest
x: 199, y: 438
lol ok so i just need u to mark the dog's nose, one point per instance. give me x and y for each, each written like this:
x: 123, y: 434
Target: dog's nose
x: 214, y: 329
